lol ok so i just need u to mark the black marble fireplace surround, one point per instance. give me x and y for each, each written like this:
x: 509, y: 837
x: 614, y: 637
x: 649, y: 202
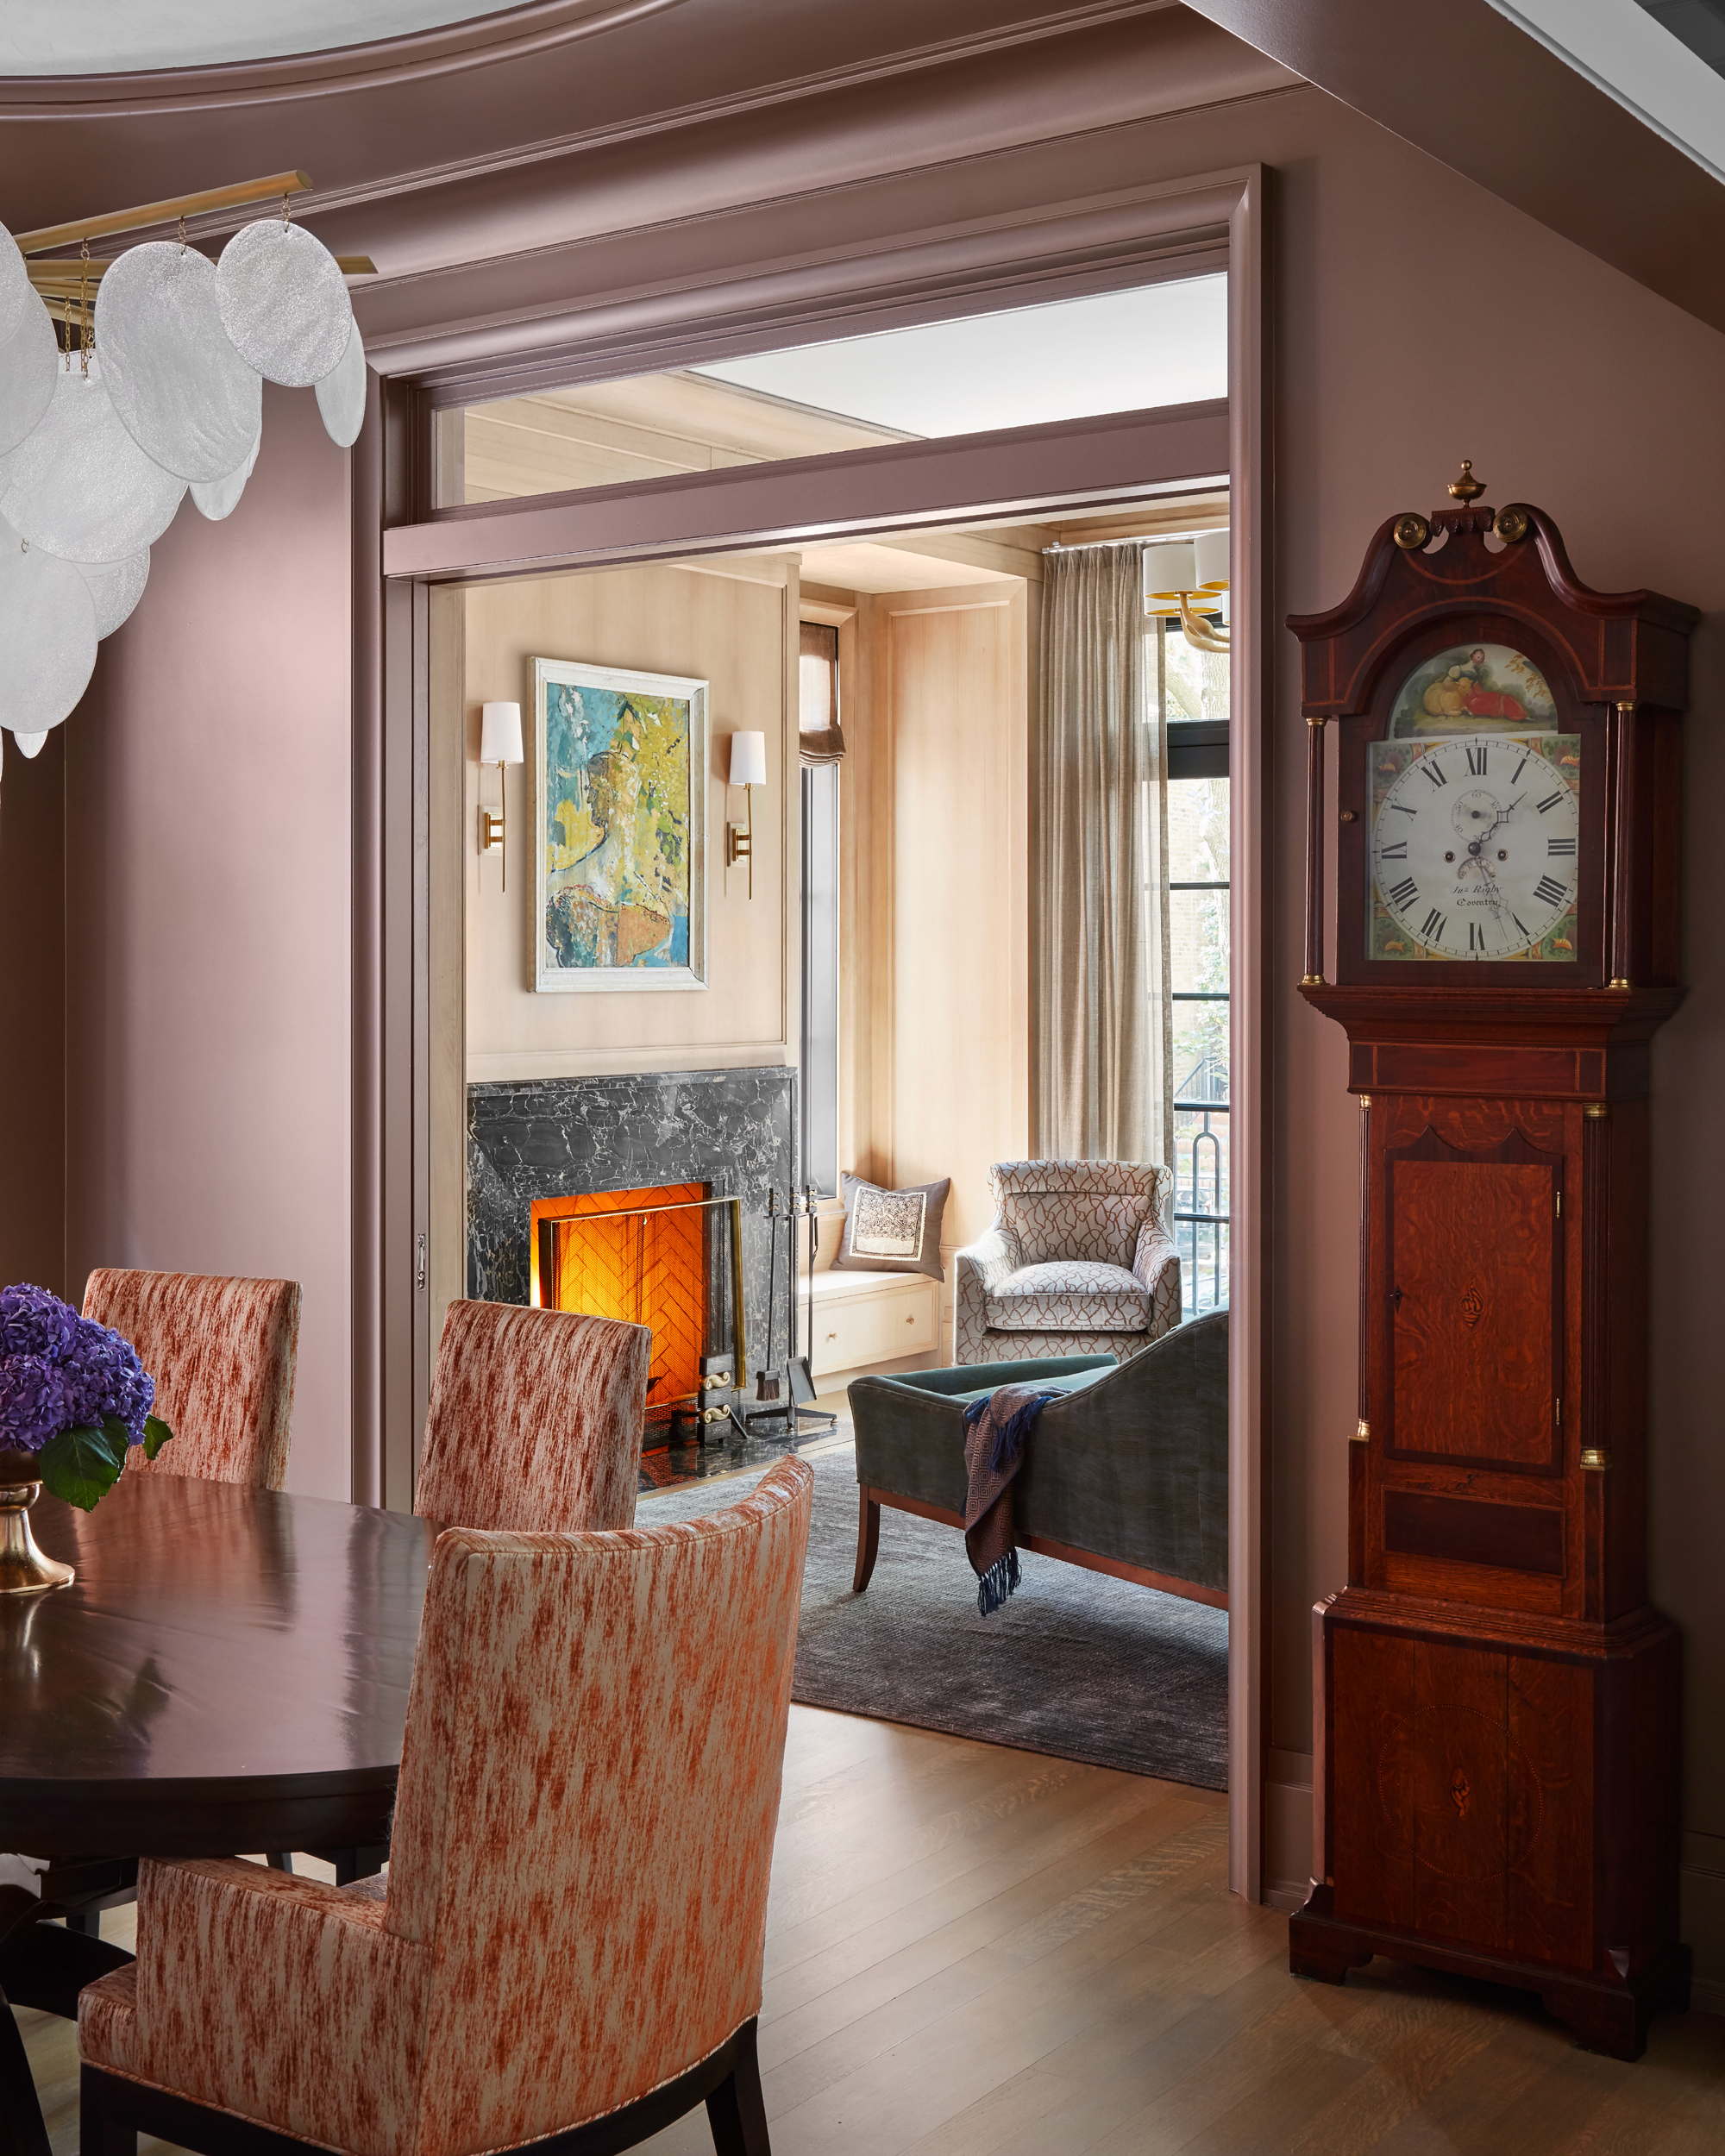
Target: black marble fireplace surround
x: 560, y: 1137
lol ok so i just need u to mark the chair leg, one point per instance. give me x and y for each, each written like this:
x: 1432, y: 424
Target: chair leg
x: 279, y: 1860
x: 99, y: 2133
x: 868, y: 1539
x: 737, y: 2111
x: 85, y: 1921
x: 21, y: 2130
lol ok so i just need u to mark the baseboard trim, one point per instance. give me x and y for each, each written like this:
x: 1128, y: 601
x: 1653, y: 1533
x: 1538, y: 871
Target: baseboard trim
x: 1286, y: 1895
x: 1707, y: 1996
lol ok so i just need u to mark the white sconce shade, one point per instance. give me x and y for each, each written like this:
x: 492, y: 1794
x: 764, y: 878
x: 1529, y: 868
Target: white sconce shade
x: 500, y: 734
x: 1210, y: 553
x: 749, y: 760
x: 1168, y: 571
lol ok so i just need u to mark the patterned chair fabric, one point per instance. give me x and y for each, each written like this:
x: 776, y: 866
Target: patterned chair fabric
x: 575, y: 1910
x: 1078, y: 1261
x: 222, y: 1352
x: 535, y: 1420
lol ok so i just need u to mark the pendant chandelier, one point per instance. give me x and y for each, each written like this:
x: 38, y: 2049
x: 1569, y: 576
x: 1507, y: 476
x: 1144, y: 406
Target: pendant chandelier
x: 126, y: 384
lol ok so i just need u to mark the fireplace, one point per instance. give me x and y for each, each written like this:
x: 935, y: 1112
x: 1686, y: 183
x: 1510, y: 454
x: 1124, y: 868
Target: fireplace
x: 652, y: 1257
x: 566, y: 1149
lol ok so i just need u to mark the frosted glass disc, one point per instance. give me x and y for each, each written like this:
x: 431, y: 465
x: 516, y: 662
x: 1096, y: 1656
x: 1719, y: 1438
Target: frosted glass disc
x: 284, y: 304
x: 80, y: 486
x: 47, y: 636
x: 116, y: 588
x: 183, y: 393
x: 216, y: 499
x: 29, y: 743
x: 16, y: 296
x: 29, y: 359
x: 342, y: 394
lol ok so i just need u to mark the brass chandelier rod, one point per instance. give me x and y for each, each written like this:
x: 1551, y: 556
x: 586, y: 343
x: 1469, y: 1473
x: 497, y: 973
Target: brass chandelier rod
x: 70, y: 275
x: 274, y: 189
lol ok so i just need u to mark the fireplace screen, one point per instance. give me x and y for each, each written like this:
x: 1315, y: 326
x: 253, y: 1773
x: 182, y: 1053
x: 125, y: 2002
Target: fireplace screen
x: 668, y: 1257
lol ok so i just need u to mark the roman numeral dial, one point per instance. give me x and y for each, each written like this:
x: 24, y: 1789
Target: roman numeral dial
x: 1474, y: 851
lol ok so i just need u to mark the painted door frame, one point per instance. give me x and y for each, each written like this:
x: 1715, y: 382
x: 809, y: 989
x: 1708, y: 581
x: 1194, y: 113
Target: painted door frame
x: 404, y: 547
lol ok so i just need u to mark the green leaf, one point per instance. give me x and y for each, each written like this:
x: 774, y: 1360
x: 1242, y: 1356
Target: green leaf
x: 82, y: 1465
x: 156, y: 1435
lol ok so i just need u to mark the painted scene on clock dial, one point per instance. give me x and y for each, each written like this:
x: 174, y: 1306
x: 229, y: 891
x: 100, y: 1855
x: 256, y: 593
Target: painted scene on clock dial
x: 1392, y: 939
x: 1473, y: 689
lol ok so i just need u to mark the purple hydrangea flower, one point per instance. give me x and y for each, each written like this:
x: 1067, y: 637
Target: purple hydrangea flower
x: 59, y: 1371
x: 34, y: 1322
x: 32, y: 1402
x: 103, y: 1377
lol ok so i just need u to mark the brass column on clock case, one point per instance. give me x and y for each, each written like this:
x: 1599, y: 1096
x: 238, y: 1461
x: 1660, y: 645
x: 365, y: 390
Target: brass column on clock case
x: 1497, y: 1738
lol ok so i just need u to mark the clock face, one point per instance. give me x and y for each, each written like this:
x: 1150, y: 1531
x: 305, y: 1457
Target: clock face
x: 1474, y: 845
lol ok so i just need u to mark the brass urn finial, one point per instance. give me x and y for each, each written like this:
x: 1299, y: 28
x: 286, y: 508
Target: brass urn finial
x: 1466, y: 488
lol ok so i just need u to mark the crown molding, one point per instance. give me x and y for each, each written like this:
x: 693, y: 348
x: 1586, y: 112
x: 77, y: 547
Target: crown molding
x: 541, y: 26
x: 1466, y: 84
x: 522, y: 33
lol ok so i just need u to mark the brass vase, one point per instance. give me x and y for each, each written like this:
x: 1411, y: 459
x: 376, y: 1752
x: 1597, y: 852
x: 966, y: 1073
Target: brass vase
x: 25, y: 1568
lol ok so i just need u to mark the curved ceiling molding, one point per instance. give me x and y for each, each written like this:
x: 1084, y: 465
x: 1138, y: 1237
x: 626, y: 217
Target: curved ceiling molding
x: 443, y: 48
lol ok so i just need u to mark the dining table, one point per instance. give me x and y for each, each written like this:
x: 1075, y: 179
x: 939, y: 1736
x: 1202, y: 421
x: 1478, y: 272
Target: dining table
x: 227, y: 1674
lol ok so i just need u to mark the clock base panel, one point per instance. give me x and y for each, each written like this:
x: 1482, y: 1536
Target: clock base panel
x: 1605, y: 2016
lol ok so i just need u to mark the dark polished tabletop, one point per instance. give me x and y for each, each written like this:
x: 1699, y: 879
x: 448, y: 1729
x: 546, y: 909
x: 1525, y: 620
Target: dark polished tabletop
x: 229, y: 1671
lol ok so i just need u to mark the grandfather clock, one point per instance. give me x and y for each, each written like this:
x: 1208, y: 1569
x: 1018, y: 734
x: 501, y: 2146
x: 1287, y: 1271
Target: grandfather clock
x: 1497, y: 1734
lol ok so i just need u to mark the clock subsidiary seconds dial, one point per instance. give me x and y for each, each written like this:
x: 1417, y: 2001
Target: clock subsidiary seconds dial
x: 1473, y: 848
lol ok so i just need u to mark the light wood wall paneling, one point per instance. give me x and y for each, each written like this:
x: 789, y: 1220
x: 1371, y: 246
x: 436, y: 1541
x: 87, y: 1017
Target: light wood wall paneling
x: 733, y: 622
x: 956, y: 686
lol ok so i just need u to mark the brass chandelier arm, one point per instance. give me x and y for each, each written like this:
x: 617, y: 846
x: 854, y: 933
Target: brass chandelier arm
x: 70, y: 273
x: 271, y: 189
x: 1201, y: 633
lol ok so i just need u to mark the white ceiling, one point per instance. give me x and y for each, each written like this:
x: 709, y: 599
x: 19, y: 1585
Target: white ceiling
x: 1635, y: 53
x: 114, y: 37
x: 1158, y: 344
x: 860, y: 566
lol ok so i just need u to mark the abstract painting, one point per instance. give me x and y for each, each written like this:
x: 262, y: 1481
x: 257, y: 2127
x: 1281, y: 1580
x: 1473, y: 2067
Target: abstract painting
x: 621, y: 896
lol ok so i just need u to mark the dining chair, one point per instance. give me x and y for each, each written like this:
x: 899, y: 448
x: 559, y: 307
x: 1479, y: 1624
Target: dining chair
x: 535, y: 1422
x: 567, y: 1947
x: 222, y: 1352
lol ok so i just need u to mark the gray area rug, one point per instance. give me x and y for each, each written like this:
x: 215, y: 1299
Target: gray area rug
x: 1077, y: 1664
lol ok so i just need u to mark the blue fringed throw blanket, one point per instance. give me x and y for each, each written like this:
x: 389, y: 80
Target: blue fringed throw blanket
x: 996, y: 1430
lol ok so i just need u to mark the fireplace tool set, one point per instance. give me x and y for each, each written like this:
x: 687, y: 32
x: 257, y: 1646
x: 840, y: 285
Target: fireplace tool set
x: 768, y: 1405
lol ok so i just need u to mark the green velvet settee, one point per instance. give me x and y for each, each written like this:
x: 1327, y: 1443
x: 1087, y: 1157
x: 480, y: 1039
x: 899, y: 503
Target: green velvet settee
x: 1126, y: 1471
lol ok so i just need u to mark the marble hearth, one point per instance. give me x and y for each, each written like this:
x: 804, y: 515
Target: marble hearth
x: 560, y: 1137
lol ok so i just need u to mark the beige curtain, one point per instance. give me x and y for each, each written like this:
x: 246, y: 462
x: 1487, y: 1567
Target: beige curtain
x: 1105, y: 1050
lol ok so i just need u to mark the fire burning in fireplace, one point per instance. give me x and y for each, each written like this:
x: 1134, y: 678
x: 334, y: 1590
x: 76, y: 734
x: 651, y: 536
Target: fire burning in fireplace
x: 644, y: 1256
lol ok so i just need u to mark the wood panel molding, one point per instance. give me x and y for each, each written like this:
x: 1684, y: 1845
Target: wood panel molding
x: 1181, y: 446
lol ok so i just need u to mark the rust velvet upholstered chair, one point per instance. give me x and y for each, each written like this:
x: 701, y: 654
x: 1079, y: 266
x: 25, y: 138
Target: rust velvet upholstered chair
x: 567, y: 1947
x: 535, y: 1420
x: 221, y: 1354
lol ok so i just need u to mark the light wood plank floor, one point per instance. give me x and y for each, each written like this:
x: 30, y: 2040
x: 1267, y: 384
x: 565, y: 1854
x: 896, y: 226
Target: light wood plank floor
x: 974, y: 1951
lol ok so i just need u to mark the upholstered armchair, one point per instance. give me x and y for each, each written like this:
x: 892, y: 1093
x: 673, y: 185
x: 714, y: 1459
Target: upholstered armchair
x: 1078, y: 1261
x: 535, y: 1421
x: 572, y: 1929
x: 222, y: 1352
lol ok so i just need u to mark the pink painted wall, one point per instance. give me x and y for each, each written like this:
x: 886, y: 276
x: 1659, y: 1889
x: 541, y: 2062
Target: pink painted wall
x: 1417, y: 320
x: 32, y: 994
x: 209, y: 983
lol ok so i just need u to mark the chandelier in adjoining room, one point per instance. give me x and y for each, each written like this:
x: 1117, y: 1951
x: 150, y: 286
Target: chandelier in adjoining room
x: 126, y: 384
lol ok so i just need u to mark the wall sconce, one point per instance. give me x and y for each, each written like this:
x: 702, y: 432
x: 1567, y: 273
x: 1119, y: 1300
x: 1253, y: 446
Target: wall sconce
x: 500, y: 743
x: 748, y: 770
x: 1186, y: 570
